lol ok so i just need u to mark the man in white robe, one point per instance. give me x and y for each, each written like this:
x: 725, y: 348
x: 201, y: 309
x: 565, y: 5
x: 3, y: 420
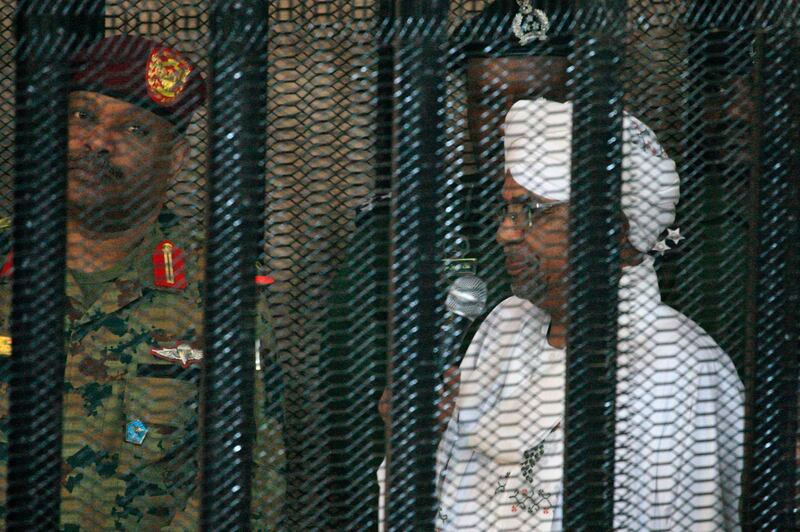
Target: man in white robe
x: 680, y: 402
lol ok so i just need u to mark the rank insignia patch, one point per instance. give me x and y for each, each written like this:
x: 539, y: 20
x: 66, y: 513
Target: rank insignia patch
x: 169, y: 269
x: 184, y: 354
x: 166, y: 75
x: 5, y: 346
x: 135, y: 432
x: 8, y: 266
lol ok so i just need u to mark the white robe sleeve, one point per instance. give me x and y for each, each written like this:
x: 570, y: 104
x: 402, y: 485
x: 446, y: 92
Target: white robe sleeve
x: 693, y: 466
x: 706, y: 489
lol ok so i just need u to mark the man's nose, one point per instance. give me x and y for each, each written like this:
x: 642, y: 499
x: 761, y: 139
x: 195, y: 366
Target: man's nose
x: 508, y: 232
x: 100, y: 140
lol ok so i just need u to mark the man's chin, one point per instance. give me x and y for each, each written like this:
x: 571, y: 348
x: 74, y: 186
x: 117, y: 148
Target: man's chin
x: 530, y: 291
x: 105, y: 224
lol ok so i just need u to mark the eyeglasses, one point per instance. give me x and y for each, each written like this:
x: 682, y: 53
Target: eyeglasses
x: 523, y: 215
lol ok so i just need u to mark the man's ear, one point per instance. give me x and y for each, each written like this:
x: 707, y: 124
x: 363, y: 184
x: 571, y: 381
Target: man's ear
x: 178, y: 155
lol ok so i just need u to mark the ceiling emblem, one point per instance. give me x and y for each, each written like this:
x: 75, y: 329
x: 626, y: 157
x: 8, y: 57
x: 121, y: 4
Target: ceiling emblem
x: 530, y: 24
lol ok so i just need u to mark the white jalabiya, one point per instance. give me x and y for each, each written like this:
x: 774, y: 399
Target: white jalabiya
x: 679, y: 423
x: 679, y: 405
x: 679, y: 401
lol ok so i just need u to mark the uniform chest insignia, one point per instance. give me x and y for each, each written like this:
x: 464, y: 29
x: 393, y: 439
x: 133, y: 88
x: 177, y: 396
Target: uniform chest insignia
x: 530, y: 24
x: 184, y: 354
x: 169, y: 268
x: 7, y: 270
x: 264, y: 280
x: 135, y: 432
x: 5, y: 346
x: 166, y: 75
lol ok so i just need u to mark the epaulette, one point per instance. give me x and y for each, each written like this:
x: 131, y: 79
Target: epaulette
x: 262, y: 277
x: 6, y: 253
x: 169, y: 266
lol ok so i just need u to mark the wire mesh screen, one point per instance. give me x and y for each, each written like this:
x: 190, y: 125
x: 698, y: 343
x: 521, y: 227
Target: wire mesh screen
x: 399, y: 265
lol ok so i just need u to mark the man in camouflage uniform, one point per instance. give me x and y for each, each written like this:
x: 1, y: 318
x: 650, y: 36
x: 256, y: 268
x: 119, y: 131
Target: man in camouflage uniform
x: 134, y: 321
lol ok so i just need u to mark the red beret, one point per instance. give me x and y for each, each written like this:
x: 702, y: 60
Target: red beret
x: 141, y: 72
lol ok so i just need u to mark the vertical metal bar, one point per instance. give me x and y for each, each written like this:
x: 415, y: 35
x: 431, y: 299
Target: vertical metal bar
x: 751, y: 299
x: 700, y: 174
x: 384, y: 184
x: 595, y: 224
x: 237, y: 142
x: 37, y: 316
x: 354, y: 349
x: 792, y: 420
x: 420, y: 86
x: 711, y: 176
x: 86, y: 19
x: 46, y: 32
x: 774, y: 399
x: 386, y: 21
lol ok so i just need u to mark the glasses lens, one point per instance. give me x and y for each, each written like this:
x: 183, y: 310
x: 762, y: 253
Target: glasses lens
x: 517, y: 215
x: 502, y: 214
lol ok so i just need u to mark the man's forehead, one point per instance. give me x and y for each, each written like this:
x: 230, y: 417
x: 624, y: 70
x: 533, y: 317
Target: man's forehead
x: 513, y: 192
x: 518, y: 75
x: 114, y: 106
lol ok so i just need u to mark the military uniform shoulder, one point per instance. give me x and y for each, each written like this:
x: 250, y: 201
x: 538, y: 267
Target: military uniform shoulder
x: 175, y: 267
x: 6, y: 254
x: 177, y: 255
x: 179, y: 242
x: 6, y: 269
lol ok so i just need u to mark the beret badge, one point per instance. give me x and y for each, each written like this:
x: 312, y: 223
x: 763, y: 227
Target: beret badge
x: 530, y: 24
x: 166, y: 75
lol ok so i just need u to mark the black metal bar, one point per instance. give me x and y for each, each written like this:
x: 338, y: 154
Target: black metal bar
x: 366, y: 274
x: 595, y: 224
x: 354, y: 350
x: 774, y: 400
x: 702, y: 177
x: 723, y: 14
x: 86, y: 19
x: 386, y: 21
x: 713, y: 176
x: 37, y: 364
x: 46, y: 31
x: 751, y: 299
x: 420, y: 87
x: 792, y: 421
x: 237, y: 118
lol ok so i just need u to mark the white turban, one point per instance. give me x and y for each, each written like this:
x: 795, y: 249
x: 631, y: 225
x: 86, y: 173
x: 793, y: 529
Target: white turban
x: 538, y: 145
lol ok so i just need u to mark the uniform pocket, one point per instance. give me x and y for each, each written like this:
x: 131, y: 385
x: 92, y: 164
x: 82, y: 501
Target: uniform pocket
x: 167, y: 408
x: 160, y: 473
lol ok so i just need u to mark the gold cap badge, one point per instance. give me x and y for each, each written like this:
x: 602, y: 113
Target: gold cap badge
x: 166, y: 75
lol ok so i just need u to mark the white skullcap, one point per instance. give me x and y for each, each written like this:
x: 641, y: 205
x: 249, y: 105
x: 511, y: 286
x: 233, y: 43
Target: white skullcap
x: 538, y: 146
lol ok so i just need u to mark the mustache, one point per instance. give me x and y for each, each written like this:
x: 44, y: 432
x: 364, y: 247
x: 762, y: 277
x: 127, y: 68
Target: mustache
x: 95, y: 164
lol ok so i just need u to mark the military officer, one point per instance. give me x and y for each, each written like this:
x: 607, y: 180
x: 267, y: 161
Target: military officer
x: 134, y: 323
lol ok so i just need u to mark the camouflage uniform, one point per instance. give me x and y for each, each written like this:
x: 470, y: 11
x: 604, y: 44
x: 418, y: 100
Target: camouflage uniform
x: 113, y: 377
